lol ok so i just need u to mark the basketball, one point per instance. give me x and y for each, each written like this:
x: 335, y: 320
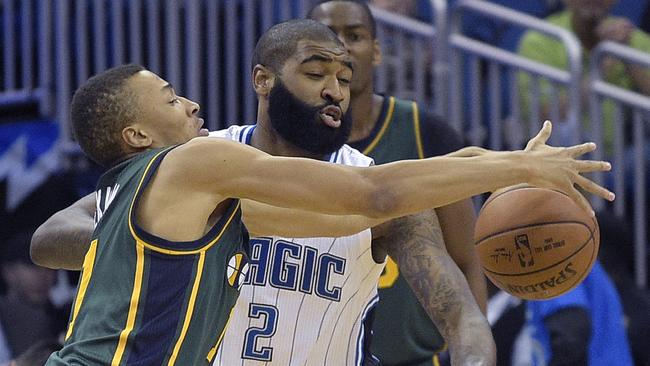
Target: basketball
x: 535, y: 243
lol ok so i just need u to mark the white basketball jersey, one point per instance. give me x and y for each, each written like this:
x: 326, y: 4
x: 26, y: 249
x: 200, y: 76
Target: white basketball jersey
x: 305, y: 301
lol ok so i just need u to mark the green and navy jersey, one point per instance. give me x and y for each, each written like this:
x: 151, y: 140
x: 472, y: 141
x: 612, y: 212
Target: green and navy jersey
x: 143, y: 300
x: 403, y: 332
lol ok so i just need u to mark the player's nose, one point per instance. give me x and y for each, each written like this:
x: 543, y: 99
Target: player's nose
x: 332, y: 92
x: 192, y: 107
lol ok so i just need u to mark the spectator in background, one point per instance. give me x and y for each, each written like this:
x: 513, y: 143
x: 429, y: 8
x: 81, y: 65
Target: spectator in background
x: 589, y: 20
x: 403, y: 7
x: 617, y: 257
x: 585, y: 326
x: 417, y: 9
x: 26, y: 314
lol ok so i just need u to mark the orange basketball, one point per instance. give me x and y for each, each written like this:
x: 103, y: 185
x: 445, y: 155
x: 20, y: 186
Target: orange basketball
x: 535, y: 243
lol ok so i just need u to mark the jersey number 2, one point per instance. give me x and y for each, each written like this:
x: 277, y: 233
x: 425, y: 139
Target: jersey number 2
x: 251, y: 350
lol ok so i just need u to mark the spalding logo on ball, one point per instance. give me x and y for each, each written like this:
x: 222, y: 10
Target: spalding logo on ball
x: 535, y: 243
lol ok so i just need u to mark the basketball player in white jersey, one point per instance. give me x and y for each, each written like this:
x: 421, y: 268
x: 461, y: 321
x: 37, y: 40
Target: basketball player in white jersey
x: 308, y: 301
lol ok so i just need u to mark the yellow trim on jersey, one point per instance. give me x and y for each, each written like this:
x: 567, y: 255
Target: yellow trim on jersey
x: 133, y: 306
x: 186, y: 252
x: 442, y: 349
x: 416, y: 128
x: 165, y: 250
x: 213, y: 350
x: 389, y: 275
x: 384, y: 127
x: 436, y: 360
x: 89, y: 263
x: 190, y: 309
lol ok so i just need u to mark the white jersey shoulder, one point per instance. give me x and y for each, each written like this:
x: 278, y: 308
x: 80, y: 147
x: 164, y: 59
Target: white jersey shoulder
x: 346, y: 155
x: 304, y: 301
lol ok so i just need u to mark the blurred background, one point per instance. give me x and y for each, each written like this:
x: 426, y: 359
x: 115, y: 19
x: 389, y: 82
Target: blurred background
x: 493, y: 69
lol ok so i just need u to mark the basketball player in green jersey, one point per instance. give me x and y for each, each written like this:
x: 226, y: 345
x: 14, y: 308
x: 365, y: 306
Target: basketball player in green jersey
x: 390, y: 129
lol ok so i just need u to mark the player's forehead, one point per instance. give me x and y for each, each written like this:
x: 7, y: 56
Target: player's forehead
x: 309, y: 51
x: 146, y: 81
x: 340, y: 15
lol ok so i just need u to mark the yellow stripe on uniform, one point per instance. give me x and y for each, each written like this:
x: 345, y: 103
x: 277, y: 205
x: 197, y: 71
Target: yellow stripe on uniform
x: 165, y: 250
x: 89, y: 263
x: 384, y: 127
x: 213, y: 350
x: 416, y: 128
x: 436, y: 360
x: 133, y: 306
x: 186, y: 252
x: 190, y: 309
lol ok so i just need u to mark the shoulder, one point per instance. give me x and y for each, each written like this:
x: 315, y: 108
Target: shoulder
x: 640, y: 41
x: 201, y: 152
x: 535, y: 41
x: 438, y: 137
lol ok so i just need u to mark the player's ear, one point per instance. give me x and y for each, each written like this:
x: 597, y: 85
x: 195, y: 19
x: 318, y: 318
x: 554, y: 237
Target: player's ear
x: 376, y: 56
x: 136, y: 137
x: 263, y: 79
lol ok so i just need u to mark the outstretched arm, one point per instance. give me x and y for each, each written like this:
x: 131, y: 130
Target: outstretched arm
x: 416, y: 244
x: 61, y: 242
x: 222, y: 169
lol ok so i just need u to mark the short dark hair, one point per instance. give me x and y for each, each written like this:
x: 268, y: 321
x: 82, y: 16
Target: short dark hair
x: 364, y: 6
x: 278, y: 43
x: 100, y: 109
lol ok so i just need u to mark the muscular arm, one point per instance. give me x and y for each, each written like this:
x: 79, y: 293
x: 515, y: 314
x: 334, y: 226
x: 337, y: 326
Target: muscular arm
x: 266, y: 220
x: 416, y: 244
x: 61, y: 242
x: 222, y: 169
x: 457, y: 223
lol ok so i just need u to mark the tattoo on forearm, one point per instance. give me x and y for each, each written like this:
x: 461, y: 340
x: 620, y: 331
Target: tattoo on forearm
x: 416, y: 243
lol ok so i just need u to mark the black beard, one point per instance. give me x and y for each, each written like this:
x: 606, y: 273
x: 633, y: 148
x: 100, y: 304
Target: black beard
x: 300, y: 124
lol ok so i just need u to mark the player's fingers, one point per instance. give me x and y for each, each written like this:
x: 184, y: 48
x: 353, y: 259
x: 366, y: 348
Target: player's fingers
x: 594, y: 188
x: 586, y: 166
x: 541, y: 137
x: 579, y: 150
x: 578, y: 198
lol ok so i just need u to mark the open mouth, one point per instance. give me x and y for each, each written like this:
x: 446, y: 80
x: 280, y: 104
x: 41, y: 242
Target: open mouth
x: 331, y: 116
x: 202, y: 131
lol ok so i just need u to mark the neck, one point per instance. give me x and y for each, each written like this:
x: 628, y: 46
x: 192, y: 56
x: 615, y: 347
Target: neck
x: 265, y: 138
x: 366, y: 107
x: 585, y: 29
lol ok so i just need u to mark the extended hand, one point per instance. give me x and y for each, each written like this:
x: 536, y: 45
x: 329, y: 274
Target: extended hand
x: 558, y: 168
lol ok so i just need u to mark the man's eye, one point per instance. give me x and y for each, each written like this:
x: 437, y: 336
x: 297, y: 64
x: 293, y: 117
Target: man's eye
x: 174, y: 100
x: 314, y: 75
x: 354, y: 37
x: 344, y: 81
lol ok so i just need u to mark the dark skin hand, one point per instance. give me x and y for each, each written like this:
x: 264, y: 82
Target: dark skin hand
x: 416, y: 243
